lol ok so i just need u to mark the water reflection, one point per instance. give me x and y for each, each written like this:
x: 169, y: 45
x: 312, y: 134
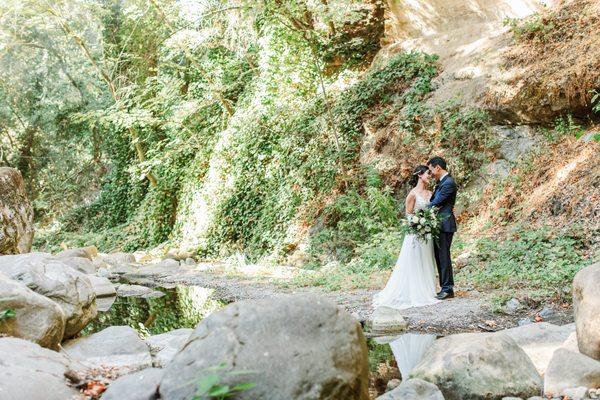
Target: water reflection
x: 179, y: 307
x: 394, y: 357
x: 409, y: 349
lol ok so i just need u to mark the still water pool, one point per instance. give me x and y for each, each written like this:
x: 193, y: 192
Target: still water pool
x: 176, y: 307
x: 161, y: 311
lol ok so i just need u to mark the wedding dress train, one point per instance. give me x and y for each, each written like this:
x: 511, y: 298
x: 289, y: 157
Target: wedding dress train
x: 413, y: 282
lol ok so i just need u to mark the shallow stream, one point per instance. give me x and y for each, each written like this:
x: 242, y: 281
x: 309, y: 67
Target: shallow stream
x: 166, y: 308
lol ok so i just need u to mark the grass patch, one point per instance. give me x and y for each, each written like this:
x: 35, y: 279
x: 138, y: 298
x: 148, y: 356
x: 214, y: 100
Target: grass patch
x: 543, y: 262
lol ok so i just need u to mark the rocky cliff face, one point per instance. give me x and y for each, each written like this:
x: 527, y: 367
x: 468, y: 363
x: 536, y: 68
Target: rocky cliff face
x: 16, y: 214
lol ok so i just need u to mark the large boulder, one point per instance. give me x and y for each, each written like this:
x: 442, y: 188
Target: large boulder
x: 69, y: 288
x: 473, y: 366
x: 36, y: 318
x: 568, y: 369
x: 21, y: 353
x: 16, y: 213
x: 89, y: 252
x: 163, y: 347
x: 105, y: 291
x: 17, y: 383
x: 81, y: 264
x: 414, y: 389
x: 586, y: 301
x: 539, y: 341
x: 117, y: 259
x: 141, y: 385
x: 115, y: 346
x: 292, y: 347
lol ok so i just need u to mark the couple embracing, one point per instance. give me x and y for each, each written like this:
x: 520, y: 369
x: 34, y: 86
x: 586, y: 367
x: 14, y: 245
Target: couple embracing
x: 412, y: 283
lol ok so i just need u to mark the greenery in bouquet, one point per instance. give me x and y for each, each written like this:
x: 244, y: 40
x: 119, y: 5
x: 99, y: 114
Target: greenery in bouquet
x: 423, y: 223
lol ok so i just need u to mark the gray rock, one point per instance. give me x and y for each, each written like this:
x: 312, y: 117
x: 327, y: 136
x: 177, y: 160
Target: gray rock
x: 69, y: 288
x: 292, y: 347
x: 464, y: 259
x: 540, y: 340
x: 512, y: 306
x: 89, y: 252
x: 387, y: 321
x: 570, y: 370
x: 115, y: 346
x: 524, y: 321
x: 190, y: 261
x: 16, y: 213
x: 586, y: 302
x: 571, y: 343
x: 133, y: 290
x: 31, y: 356
x: 105, y: 292
x: 536, y: 398
x: 17, y: 383
x: 392, y: 384
x: 579, y: 393
x: 512, y: 398
x: 102, y: 286
x: 118, y: 259
x: 81, y: 264
x: 514, y: 141
x: 141, y: 385
x: 546, y: 312
x: 479, y: 366
x: 414, y: 389
x: 37, y: 318
x: 163, y: 347
x: 18, y: 260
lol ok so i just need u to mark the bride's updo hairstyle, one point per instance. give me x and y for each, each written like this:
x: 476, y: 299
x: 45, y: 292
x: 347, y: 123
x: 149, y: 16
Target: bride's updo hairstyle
x: 414, y: 178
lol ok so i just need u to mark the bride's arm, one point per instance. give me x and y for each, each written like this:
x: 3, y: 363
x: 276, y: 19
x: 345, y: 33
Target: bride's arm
x: 410, y: 203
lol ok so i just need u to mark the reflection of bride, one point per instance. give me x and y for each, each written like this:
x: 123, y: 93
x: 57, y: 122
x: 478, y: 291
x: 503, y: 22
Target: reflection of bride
x: 408, y: 350
x: 412, y: 283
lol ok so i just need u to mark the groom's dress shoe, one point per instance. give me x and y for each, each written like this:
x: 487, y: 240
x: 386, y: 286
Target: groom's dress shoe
x: 445, y: 295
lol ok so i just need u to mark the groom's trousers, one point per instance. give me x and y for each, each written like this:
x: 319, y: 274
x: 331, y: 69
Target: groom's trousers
x: 443, y: 261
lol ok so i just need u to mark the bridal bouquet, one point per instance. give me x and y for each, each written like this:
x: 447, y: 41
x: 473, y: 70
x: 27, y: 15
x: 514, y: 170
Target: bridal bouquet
x: 423, y: 223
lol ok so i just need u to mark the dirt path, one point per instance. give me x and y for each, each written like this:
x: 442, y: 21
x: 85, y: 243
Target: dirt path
x: 466, y: 313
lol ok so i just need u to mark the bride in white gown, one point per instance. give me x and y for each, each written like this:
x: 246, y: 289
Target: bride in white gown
x: 412, y: 283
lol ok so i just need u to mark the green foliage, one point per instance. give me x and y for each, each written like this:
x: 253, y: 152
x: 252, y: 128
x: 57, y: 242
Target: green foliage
x: 542, y: 261
x: 6, y: 314
x: 536, y: 27
x: 565, y: 126
x: 210, y: 386
x: 595, y: 101
x: 378, y: 354
x: 284, y: 157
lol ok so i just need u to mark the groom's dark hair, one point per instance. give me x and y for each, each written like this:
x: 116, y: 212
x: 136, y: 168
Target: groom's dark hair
x: 435, y: 161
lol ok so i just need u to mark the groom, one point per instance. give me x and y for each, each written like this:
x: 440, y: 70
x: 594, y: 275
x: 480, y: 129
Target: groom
x: 443, y: 198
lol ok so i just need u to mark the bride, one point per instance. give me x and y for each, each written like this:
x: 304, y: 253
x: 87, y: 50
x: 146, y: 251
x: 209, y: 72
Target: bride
x: 412, y: 283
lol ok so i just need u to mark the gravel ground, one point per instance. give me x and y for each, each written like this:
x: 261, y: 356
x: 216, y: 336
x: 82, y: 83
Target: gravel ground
x: 468, y: 312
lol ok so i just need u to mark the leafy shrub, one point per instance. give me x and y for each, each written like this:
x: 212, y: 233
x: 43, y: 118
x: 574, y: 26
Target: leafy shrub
x: 284, y: 159
x: 536, y: 27
x: 542, y: 261
x: 210, y: 386
x: 6, y: 314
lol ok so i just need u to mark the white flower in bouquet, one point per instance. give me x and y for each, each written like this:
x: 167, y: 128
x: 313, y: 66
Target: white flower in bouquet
x: 414, y: 219
x: 422, y: 221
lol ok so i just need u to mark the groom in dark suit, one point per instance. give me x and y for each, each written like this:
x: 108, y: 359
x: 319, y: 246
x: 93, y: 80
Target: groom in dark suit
x: 444, y: 198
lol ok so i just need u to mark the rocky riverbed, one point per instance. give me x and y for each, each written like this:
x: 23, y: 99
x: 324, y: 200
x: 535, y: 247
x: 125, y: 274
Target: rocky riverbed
x: 69, y: 318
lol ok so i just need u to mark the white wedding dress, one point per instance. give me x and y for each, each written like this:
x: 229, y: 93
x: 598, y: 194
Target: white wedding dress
x: 412, y: 283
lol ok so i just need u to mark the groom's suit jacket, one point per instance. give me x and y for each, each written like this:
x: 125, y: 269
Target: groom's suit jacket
x: 444, y: 198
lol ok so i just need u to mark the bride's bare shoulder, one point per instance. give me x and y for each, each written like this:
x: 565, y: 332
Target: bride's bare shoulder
x: 411, y: 195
